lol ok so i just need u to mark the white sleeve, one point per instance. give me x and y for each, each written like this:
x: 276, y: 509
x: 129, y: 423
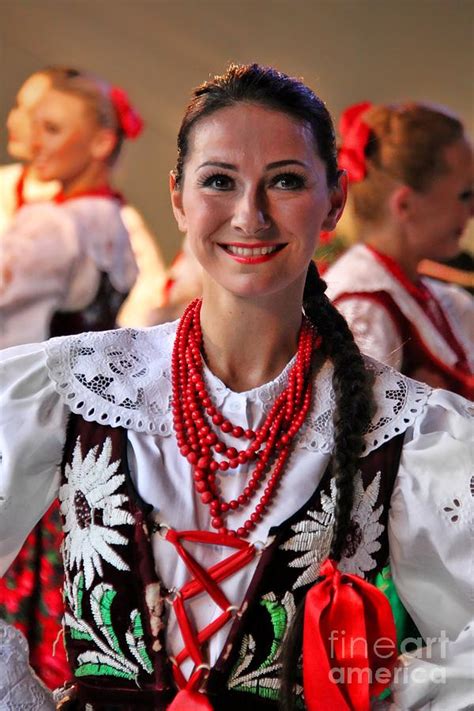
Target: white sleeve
x: 32, y: 434
x: 431, y: 552
x: 374, y: 330
x: 37, y: 252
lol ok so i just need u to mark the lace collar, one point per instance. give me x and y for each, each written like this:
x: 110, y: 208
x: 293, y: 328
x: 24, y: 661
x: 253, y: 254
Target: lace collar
x: 122, y: 378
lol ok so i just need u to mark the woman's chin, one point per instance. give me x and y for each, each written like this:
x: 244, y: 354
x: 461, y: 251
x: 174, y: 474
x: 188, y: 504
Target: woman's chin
x: 18, y: 150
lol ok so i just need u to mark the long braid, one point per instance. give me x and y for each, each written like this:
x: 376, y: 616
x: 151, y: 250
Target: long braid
x: 354, y: 402
x: 354, y: 407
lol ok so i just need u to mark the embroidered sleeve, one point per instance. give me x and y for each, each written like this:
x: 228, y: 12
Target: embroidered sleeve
x: 430, y: 530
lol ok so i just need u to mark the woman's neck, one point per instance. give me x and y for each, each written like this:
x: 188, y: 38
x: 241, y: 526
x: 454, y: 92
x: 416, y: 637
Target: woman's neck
x: 96, y: 175
x: 392, y: 243
x: 248, y: 342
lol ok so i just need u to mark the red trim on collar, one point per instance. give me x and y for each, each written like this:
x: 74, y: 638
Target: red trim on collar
x: 20, y: 189
x: 416, y: 289
x: 104, y: 191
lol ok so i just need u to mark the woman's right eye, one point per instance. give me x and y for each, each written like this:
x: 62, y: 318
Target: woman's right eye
x: 218, y: 181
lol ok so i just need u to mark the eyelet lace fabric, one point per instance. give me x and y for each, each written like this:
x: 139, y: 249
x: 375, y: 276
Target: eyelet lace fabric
x: 123, y: 379
x: 20, y: 689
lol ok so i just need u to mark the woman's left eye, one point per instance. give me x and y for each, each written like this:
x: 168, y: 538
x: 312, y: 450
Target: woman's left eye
x: 288, y: 181
x: 466, y: 195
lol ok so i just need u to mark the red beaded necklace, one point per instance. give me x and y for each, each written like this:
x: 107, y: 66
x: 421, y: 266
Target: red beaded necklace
x: 270, y: 444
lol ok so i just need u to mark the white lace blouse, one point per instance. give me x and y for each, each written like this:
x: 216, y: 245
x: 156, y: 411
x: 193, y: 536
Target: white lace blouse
x: 123, y: 378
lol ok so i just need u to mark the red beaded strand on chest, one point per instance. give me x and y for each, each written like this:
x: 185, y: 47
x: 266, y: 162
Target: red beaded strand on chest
x: 269, y: 446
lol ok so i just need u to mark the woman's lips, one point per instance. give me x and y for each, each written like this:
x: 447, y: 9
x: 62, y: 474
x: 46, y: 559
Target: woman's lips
x: 252, y: 253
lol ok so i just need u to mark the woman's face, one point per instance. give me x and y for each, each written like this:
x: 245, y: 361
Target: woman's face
x: 20, y: 117
x: 440, y: 214
x: 64, y: 132
x: 254, y: 199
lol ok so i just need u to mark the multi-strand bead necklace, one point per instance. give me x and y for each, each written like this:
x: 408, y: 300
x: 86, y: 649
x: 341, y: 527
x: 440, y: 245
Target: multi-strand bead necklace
x: 198, y: 426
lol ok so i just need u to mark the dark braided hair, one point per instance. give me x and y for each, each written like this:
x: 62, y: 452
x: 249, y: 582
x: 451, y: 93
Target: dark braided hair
x: 352, y: 386
x: 252, y: 83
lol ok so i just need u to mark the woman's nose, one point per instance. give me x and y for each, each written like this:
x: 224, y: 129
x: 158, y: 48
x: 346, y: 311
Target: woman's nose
x: 250, y: 213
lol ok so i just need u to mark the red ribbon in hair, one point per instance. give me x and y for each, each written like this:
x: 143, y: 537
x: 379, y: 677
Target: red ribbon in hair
x: 355, y: 136
x: 349, y: 642
x: 130, y: 120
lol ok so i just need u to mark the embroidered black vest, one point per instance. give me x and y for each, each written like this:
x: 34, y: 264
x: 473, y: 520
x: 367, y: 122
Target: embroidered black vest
x: 115, y: 616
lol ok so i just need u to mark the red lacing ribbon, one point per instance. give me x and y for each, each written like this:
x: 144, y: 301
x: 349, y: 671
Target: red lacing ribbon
x: 203, y: 580
x: 355, y: 134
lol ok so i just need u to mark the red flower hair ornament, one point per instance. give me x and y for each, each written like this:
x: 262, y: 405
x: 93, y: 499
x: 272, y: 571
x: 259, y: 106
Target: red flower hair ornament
x: 130, y: 120
x: 355, y: 136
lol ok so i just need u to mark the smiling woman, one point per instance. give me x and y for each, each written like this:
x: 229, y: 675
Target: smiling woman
x: 241, y: 476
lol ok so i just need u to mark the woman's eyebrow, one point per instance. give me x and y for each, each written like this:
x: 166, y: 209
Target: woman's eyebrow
x: 217, y: 164
x: 282, y: 163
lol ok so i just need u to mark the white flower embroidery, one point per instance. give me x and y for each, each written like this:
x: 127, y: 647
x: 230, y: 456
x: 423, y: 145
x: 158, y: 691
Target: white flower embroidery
x: 91, y: 509
x: 312, y: 536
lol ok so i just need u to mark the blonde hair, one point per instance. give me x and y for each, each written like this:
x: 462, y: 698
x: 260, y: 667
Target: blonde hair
x: 406, y: 145
x: 96, y: 95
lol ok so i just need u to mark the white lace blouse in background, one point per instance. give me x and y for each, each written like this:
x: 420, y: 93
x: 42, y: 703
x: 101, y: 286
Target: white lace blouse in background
x: 358, y: 272
x: 123, y: 378
x: 51, y: 258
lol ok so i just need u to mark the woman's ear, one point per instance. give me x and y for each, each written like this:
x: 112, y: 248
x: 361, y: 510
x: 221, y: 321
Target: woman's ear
x: 177, y: 203
x: 103, y: 143
x: 337, y: 201
x: 400, y: 202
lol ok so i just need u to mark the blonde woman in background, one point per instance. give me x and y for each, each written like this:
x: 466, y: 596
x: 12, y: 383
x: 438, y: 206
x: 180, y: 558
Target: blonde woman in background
x: 411, y: 173
x: 20, y: 184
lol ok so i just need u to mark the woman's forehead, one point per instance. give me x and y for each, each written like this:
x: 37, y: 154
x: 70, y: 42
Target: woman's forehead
x: 245, y: 127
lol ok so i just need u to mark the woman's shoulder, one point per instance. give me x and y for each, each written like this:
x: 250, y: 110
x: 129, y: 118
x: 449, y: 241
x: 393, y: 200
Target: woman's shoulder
x: 119, y: 377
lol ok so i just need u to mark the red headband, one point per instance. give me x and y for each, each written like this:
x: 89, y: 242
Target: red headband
x: 355, y: 136
x: 130, y: 120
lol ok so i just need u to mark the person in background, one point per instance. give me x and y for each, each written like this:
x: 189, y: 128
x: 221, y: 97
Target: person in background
x: 65, y: 266
x: 243, y: 474
x: 411, y: 172
x: 20, y: 185
x: 18, y: 182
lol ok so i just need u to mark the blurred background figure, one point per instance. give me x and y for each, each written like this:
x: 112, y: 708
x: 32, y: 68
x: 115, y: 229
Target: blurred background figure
x: 20, y: 184
x: 66, y: 266
x: 410, y: 168
x: 183, y: 283
x: 18, y: 181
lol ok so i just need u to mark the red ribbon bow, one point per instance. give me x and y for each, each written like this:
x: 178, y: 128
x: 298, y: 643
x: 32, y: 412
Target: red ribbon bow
x: 349, y: 642
x: 130, y: 120
x: 355, y: 136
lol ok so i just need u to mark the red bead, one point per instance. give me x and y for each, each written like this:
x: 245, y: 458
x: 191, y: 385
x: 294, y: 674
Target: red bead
x: 195, y: 437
